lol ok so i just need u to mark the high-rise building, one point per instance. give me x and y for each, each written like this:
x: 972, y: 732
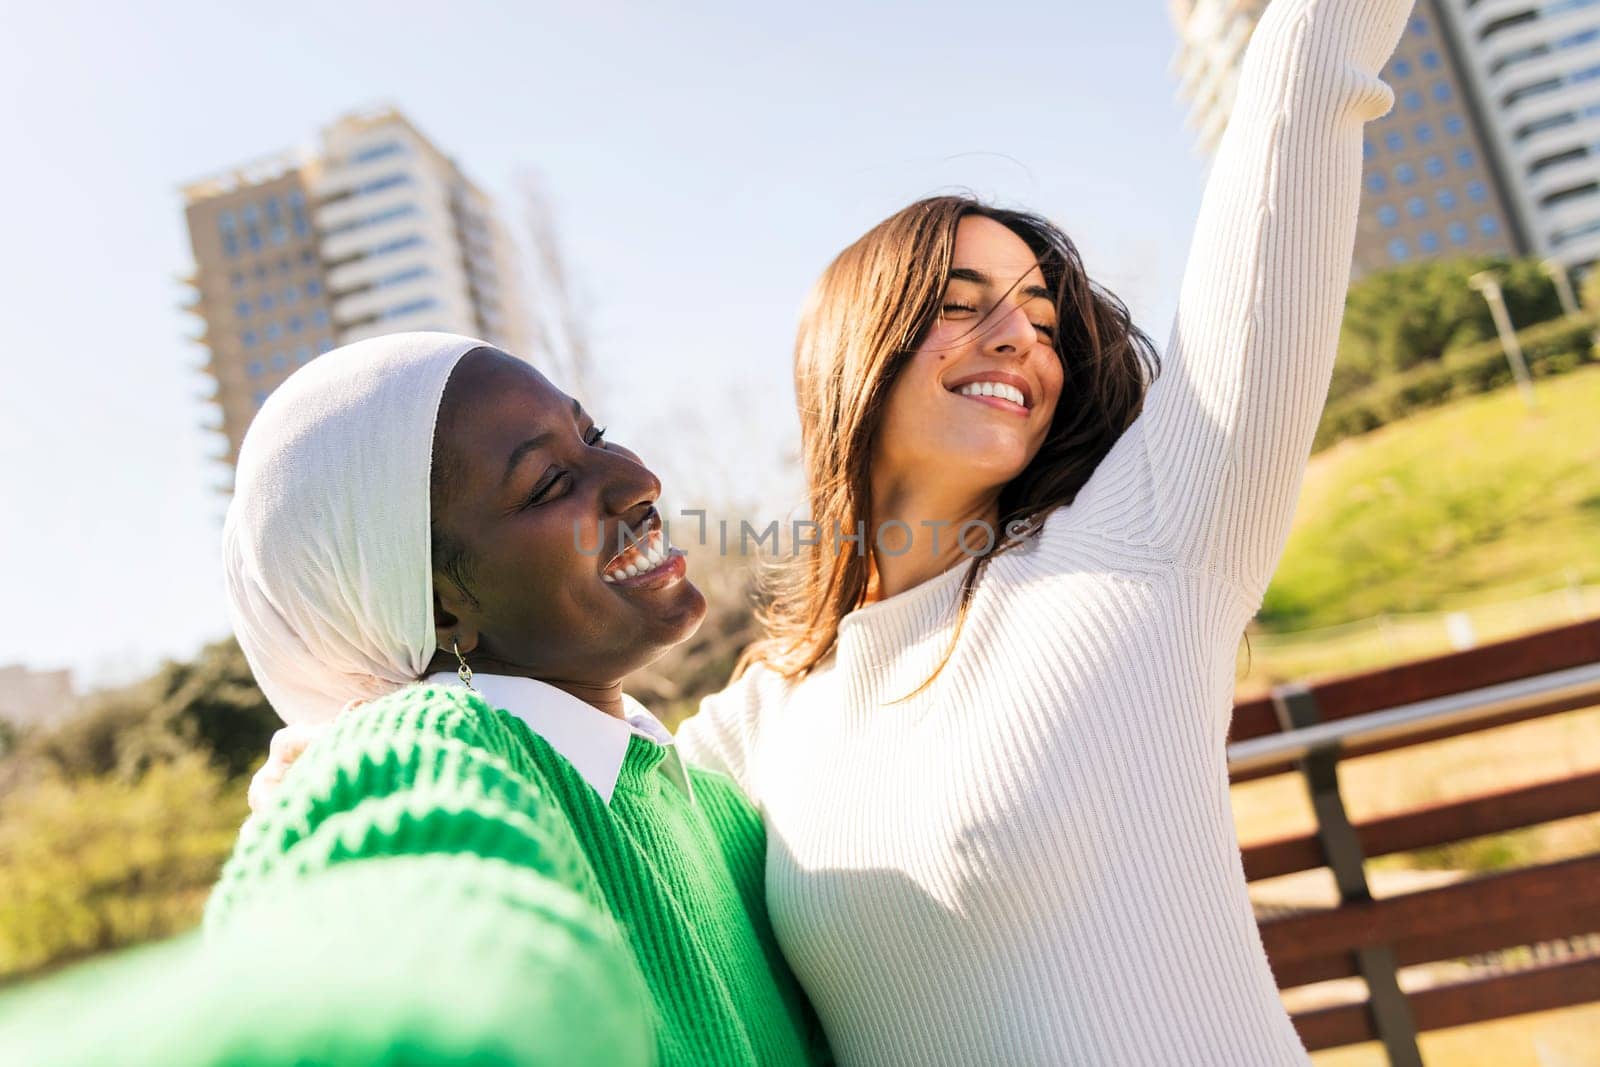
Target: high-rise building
x: 1212, y: 35
x: 372, y: 231
x: 1536, y: 68
x: 1433, y: 178
x: 1433, y: 181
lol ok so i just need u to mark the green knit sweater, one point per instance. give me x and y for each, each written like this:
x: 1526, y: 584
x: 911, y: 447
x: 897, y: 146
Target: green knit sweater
x: 434, y: 883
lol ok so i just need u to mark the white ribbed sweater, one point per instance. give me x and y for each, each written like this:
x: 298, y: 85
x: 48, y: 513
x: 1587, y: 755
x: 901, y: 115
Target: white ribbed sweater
x: 1034, y: 861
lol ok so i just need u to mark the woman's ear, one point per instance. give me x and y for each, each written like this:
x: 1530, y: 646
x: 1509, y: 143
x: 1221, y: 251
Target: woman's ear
x: 449, y: 623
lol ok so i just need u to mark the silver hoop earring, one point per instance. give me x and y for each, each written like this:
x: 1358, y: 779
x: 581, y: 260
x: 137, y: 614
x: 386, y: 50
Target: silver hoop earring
x: 463, y: 672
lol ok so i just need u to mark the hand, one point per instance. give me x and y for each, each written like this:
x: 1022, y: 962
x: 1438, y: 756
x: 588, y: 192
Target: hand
x: 287, y: 745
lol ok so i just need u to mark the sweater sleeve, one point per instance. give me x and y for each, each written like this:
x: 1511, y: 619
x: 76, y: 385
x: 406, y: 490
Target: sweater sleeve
x: 422, y: 772
x: 409, y: 897
x: 1209, y: 474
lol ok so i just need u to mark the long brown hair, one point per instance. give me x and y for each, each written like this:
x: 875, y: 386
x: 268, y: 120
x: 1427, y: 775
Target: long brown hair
x: 868, y: 313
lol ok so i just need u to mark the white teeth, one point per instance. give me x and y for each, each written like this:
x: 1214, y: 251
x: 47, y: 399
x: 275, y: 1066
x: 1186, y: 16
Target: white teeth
x: 642, y: 558
x: 995, y: 389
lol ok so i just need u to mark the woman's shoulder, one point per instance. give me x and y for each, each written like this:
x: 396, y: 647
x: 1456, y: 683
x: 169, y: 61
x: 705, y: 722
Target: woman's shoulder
x: 723, y: 734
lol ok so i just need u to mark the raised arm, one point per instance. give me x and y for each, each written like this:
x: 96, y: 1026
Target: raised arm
x: 409, y: 896
x: 1209, y: 474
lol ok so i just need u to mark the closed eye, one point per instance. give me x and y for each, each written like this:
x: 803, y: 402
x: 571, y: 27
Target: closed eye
x: 546, y: 487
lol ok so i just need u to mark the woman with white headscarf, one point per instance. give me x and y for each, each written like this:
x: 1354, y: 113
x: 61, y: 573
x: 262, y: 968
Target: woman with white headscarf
x: 507, y: 861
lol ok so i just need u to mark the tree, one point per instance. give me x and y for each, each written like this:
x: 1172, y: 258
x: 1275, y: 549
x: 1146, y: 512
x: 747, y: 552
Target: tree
x: 1399, y: 319
x: 211, y: 705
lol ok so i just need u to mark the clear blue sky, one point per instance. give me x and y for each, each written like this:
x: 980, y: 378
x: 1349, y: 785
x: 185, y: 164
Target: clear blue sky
x: 704, y: 167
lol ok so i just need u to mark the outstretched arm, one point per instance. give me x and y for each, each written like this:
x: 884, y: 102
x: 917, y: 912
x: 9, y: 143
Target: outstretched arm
x: 409, y: 896
x: 1209, y: 474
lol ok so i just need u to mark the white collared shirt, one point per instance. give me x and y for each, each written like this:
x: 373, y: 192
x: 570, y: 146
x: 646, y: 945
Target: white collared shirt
x: 586, y: 737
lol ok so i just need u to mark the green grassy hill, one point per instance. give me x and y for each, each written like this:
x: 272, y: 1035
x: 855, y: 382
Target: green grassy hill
x: 1479, y: 501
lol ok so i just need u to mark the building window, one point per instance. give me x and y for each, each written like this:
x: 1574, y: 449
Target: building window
x: 266, y: 302
x: 272, y: 332
x: 1434, y: 166
x: 399, y: 211
x: 410, y: 274
x: 1394, y: 140
x: 1416, y: 207
x: 1400, y: 68
x: 295, y: 324
x: 1388, y: 216
x: 249, y: 338
x: 254, y: 368
x: 280, y: 361
x: 1446, y: 199
x: 1424, y: 133
x: 274, y: 210
x: 412, y: 241
x: 1405, y: 174
x: 238, y: 280
x: 319, y: 317
x: 1399, y: 250
x: 1411, y: 100
x: 1453, y: 125
x: 1466, y: 158
x: 290, y: 295
x: 260, y: 397
x: 1550, y: 122
x: 302, y: 355
x: 377, y: 185
x: 324, y: 344
x: 1430, y: 59
x: 1366, y: 148
x: 381, y: 150
x: 1428, y: 241
x: 1488, y: 225
x: 242, y: 309
x: 307, y: 257
x: 313, y: 287
x: 1477, y: 192
x: 230, y: 244
x: 1459, y: 234
x: 1442, y: 93
x: 1561, y: 237
x: 410, y: 307
x: 1419, y: 26
x: 1376, y: 182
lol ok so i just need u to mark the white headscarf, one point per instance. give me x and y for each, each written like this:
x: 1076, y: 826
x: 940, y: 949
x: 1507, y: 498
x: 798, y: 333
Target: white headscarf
x: 326, y: 545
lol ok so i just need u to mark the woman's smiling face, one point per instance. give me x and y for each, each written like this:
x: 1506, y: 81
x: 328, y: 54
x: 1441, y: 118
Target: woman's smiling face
x: 534, y: 513
x: 973, y: 405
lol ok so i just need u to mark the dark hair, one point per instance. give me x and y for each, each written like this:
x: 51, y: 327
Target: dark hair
x: 449, y: 554
x: 867, y: 315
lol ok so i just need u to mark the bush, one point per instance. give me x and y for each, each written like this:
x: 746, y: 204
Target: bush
x: 1549, y: 348
x: 211, y: 706
x: 93, y: 864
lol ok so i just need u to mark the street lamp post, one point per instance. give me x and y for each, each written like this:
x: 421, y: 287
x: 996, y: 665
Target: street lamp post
x: 1558, y: 274
x: 1486, y: 283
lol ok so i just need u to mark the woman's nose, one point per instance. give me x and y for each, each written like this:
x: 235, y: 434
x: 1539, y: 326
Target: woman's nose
x: 1008, y: 332
x: 629, y: 485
